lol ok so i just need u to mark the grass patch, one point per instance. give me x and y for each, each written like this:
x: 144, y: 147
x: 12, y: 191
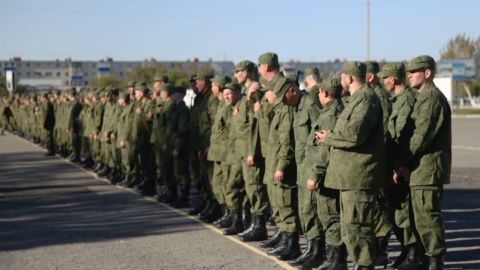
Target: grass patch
x: 467, y: 111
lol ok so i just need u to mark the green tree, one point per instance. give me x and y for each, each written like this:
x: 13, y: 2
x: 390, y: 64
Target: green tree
x: 104, y: 81
x: 464, y: 47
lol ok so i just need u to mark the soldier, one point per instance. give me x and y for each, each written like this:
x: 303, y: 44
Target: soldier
x: 382, y: 209
x: 127, y: 148
x: 400, y: 128
x: 326, y: 200
x: 108, y: 128
x: 252, y: 164
x: 178, y: 129
x: 74, y: 126
x: 429, y: 158
x: 48, y: 123
x: 234, y: 188
x: 356, y: 166
x: 311, y: 79
x: 141, y: 132
x: 218, y: 149
x: 97, y: 137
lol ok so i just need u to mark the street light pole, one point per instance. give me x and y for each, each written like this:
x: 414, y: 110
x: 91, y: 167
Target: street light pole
x: 368, y: 29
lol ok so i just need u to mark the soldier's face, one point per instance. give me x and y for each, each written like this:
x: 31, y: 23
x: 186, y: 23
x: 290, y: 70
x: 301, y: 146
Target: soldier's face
x: 121, y: 101
x: 138, y: 94
x: 228, y: 95
x: 262, y: 69
x: 215, y: 88
x: 200, y: 85
x: 156, y: 84
x: 417, y: 78
x: 164, y: 95
x: 241, y: 76
x: 345, y: 80
x: 389, y: 83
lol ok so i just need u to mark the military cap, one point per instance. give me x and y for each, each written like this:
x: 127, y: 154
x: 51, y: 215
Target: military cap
x: 392, y: 69
x: 281, y: 88
x: 311, y: 71
x: 141, y: 86
x: 419, y: 62
x: 221, y: 80
x: 131, y: 84
x: 124, y: 94
x: 96, y: 93
x: 163, y: 78
x: 167, y: 87
x: 354, y: 68
x: 332, y: 85
x: 179, y: 90
x: 233, y: 86
x: 204, y: 76
x: 246, y: 65
x: 372, y: 67
x: 269, y: 58
x: 193, y: 77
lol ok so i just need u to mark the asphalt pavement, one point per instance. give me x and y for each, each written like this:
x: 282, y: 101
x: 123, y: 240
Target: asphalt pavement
x: 55, y: 215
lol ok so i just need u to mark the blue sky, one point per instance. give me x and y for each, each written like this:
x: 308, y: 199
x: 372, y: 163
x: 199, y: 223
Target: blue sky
x: 305, y: 30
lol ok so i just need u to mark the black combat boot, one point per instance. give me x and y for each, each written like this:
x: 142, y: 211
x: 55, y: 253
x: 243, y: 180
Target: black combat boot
x: 213, y: 214
x: 104, y: 171
x: 435, y: 262
x: 336, y: 259
x: 183, y: 201
x: 292, y: 249
x: 246, y: 218
x: 313, y: 256
x: 298, y: 261
x: 98, y: 166
x: 206, y: 208
x: 273, y: 241
x: 413, y: 259
x: 258, y: 231
x: 225, y: 213
x: 198, y: 208
x: 381, y: 258
x: 280, y: 246
x: 316, y: 256
x: 146, y: 187
x: 171, y: 195
x: 227, y: 221
x: 236, y: 225
x: 400, y: 258
x: 135, y: 179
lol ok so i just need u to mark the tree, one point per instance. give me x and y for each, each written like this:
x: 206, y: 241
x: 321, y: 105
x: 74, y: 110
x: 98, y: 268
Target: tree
x: 104, y: 81
x: 464, y: 47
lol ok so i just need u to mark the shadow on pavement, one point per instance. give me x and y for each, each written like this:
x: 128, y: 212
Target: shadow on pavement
x: 44, y: 201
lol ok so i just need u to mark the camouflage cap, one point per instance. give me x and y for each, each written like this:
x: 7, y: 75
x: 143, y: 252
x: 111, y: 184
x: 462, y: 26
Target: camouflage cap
x: 124, y: 94
x: 131, y: 83
x: 203, y: 76
x: 354, y: 68
x: 269, y: 58
x: 332, y: 85
x: 392, y: 69
x: 281, y: 88
x: 311, y: 71
x: 246, y: 65
x: 419, y: 62
x: 104, y: 93
x: 166, y: 87
x: 233, y: 86
x: 163, y: 78
x: 141, y: 86
x: 372, y: 67
x: 221, y: 80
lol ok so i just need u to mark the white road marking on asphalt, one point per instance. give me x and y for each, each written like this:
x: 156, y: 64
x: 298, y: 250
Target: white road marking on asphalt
x: 463, y: 147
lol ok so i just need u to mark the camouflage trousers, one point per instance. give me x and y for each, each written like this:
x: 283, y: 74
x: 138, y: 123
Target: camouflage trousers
x: 426, y: 202
x: 327, y: 203
x: 357, y: 225
x: 254, y: 188
x: 234, y: 188
x: 307, y: 206
x: 219, y: 178
x: 286, y: 201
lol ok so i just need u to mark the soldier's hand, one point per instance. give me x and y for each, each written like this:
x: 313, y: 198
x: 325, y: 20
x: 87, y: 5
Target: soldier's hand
x: 112, y: 136
x: 311, y: 185
x: 122, y: 144
x: 322, y: 135
x: 278, y: 175
x: 254, y: 87
x: 250, y: 161
x: 257, y: 106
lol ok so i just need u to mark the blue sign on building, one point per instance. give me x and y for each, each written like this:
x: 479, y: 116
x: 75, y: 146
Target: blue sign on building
x: 460, y: 69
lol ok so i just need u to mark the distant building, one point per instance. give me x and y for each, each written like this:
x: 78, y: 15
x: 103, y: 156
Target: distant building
x: 63, y: 74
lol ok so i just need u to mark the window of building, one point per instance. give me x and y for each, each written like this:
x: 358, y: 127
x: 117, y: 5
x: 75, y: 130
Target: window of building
x: 28, y: 64
x: 48, y: 74
x: 67, y: 82
x: 37, y: 64
x: 19, y: 74
x: 121, y: 74
x: 66, y: 74
x: 85, y: 73
x: 85, y: 82
x: 57, y: 64
x: 19, y: 65
x: 28, y: 74
x: 58, y: 74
